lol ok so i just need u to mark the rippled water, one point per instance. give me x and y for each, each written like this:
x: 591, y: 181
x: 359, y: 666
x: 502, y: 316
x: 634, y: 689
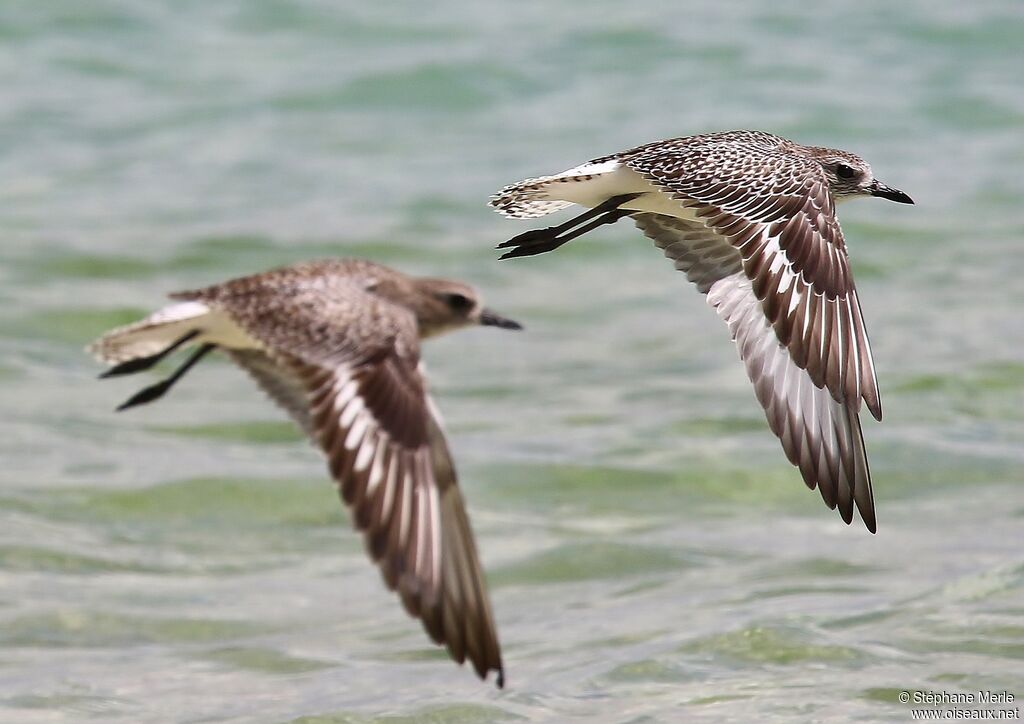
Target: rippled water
x: 651, y: 554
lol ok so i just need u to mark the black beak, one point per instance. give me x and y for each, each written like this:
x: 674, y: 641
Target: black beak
x: 888, y: 192
x: 490, y: 319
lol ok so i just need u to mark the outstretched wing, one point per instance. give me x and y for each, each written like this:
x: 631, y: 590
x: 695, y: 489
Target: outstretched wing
x: 366, y: 406
x: 820, y: 434
x: 777, y: 211
x: 386, y: 449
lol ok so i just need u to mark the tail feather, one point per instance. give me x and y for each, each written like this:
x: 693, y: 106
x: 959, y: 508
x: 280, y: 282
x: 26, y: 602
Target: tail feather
x: 587, y: 184
x: 149, y: 336
x: 527, y: 199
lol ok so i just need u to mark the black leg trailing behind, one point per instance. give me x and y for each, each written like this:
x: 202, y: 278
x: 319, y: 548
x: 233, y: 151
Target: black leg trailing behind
x: 155, y: 392
x: 539, y: 241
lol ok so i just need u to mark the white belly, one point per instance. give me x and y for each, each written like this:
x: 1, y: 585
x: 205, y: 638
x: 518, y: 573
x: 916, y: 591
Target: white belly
x: 591, y: 184
x: 216, y: 327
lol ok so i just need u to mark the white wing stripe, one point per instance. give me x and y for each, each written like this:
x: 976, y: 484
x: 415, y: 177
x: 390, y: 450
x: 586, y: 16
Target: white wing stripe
x: 435, y: 531
x: 390, y: 486
x: 351, y: 410
x: 346, y: 390
x: 367, y: 449
x: 357, y: 429
x: 854, y: 357
x: 377, y: 469
x: 406, y: 507
x: 818, y: 433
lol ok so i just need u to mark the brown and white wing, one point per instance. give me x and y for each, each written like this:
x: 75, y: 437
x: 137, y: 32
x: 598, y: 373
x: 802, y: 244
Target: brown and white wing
x: 387, y: 451
x: 347, y: 369
x: 778, y: 212
x: 820, y: 435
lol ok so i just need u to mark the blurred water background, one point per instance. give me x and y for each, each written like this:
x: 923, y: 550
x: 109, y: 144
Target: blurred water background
x: 652, y: 555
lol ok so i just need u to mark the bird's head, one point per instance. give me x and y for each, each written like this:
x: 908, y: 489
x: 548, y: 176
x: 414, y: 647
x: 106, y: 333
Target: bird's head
x: 443, y: 305
x: 850, y: 176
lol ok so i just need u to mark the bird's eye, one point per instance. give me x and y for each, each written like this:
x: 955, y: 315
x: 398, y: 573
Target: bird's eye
x: 844, y: 171
x: 459, y: 302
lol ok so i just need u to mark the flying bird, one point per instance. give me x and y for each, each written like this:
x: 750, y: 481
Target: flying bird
x: 336, y: 343
x: 750, y: 218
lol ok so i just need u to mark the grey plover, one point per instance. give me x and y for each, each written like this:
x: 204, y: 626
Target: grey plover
x: 750, y: 218
x: 336, y: 343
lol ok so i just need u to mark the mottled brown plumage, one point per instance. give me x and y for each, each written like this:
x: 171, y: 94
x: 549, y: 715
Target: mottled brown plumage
x: 750, y: 217
x: 337, y: 344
